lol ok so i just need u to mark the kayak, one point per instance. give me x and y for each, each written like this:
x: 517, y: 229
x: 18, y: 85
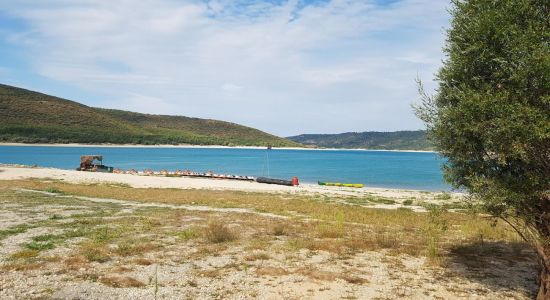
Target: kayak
x: 354, y: 185
x: 274, y: 181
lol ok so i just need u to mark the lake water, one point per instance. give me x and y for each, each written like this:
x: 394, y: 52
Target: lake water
x: 404, y: 170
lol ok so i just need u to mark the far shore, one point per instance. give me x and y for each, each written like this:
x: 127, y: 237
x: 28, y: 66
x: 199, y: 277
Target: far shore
x: 205, y: 147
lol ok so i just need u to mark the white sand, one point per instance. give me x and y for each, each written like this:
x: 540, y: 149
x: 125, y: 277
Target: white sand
x: 11, y: 172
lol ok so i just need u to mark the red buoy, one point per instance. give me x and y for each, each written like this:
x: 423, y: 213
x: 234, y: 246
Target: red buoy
x: 295, y: 181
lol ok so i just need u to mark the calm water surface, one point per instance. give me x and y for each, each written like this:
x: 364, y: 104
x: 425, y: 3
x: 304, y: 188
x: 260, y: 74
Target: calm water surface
x: 408, y: 170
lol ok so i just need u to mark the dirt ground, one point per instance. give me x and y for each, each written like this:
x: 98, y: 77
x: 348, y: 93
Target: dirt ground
x: 59, y: 246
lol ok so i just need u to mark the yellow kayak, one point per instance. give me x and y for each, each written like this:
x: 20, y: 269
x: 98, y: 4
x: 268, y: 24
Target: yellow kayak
x: 354, y: 185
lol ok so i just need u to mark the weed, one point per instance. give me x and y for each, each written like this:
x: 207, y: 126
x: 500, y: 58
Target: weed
x: 53, y: 190
x: 39, y: 246
x: 408, y: 202
x: 436, y: 226
x: 94, y: 252
x: 45, y: 238
x: 217, y: 232
x: 279, y: 229
x: 75, y: 262
x: 25, y: 254
x: 257, y: 256
x: 14, y: 230
x: 443, y: 196
x: 188, y: 233
x: 143, y: 261
x: 121, y: 281
x: 333, y: 229
x: 133, y: 247
x: 271, y: 271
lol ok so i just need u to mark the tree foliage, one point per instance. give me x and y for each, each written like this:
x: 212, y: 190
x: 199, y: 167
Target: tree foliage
x: 490, y: 116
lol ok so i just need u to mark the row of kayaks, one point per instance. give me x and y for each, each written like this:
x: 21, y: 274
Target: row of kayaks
x: 353, y: 185
x: 210, y: 174
x: 181, y: 173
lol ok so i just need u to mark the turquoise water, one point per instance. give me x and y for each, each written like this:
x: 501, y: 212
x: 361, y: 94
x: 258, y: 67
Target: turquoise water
x: 406, y: 170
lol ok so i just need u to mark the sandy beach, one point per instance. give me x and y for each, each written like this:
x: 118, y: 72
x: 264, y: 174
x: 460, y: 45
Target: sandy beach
x: 11, y: 172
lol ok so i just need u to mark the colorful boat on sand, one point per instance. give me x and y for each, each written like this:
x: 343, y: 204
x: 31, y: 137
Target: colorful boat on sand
x: 353, y: 185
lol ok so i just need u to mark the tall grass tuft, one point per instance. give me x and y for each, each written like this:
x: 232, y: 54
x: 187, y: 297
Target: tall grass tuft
x: 433, y: 230
x: 217, y: 232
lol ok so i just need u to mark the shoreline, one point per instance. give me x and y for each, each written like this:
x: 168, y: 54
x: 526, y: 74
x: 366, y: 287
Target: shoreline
x: 18, y: 172
x: 185, y: 146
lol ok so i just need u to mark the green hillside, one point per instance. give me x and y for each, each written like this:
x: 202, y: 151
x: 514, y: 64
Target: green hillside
x: 398, y: 140
x: 31, y: 117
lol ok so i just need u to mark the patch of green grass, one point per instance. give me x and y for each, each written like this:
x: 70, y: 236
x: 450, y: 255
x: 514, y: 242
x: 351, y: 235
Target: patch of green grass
x: 408, y: 202
x: 443, y: 196
x: 383, y: 201
x: 188, y: 233
x: 77, y: 232
x: 21, y: 228
x: 53, y: 190
x: 40, y: 246
x: 358, y: 201
x: 45, y: 238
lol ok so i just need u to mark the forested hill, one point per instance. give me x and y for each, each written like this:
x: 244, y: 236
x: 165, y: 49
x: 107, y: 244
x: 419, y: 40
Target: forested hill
x: 397, y: 140
x: 32, y: 117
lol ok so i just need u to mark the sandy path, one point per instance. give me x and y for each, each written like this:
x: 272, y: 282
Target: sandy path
x: 8, y: 172
x: 160, y: 205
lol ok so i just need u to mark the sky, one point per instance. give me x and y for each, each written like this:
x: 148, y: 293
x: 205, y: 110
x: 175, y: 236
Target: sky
x: 283, y: 66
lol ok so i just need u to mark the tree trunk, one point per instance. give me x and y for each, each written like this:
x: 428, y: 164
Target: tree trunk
x: 543, y: 249
x: 544, y: 278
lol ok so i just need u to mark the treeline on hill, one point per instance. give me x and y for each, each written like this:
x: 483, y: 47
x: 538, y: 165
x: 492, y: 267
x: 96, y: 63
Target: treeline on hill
x: 31, y: 117
x: 398, y: 140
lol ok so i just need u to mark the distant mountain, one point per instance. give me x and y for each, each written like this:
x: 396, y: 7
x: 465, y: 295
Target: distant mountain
x: 398, y: 140
x: 32, y: 117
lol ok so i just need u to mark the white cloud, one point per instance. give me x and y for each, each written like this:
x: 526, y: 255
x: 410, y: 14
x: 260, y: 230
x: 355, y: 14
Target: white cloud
x: 343, y: 65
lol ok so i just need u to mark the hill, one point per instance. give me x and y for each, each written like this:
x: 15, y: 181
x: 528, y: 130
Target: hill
x: 398, y: 140
x: 32, y: 117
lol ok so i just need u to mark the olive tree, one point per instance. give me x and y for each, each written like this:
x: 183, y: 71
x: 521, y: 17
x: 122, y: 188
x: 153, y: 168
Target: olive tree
x: 490, y: 115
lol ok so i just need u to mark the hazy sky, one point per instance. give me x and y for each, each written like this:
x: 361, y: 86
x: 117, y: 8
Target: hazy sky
x: 286, y: 67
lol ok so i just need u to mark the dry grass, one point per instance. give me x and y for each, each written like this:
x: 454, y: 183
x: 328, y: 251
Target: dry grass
x: 217, y: 232
x: 257, y: 256
x: 279, y: 229
x: 143, y: 261
x: 214, y: 273
x: 76, y: 263
x: 24, y: 254
x: 134, y: 247
x: 271, y: 271
x: 121, y: 269
x: 121, y: 281
x: 330, y: 276
x: 127, y: 240
x: 341, y: 230
x: 94, y: 252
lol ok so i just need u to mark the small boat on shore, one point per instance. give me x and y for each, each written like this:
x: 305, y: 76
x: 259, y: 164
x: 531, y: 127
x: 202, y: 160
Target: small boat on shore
x: 293, y: 182
x: 353, y: 185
